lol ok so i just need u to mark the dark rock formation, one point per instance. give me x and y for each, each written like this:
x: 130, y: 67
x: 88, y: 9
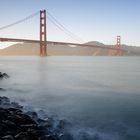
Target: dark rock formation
x: 2, y: 89
x: 15, y: 124
x: 4, y: 75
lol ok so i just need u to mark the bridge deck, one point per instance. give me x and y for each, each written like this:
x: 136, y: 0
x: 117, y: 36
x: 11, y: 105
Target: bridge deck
x: 57, y: 43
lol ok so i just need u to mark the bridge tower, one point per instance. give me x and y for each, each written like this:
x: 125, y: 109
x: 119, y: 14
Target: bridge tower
x: 43, y: 34
x: 118, y: 45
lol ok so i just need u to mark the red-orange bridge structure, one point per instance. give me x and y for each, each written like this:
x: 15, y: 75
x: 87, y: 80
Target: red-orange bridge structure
x: 43, y: 40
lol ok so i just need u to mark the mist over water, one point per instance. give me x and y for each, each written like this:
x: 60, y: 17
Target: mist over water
x: 99, y: 97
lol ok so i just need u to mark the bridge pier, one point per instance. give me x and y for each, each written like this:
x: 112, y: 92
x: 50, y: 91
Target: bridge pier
x: 43, y: 44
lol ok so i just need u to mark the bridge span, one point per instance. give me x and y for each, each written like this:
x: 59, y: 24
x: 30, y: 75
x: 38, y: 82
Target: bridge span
x: 44, y: 42
x: 58, y: 43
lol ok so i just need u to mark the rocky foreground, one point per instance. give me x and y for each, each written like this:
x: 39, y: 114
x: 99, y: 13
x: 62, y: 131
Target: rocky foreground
x: 15, y: 124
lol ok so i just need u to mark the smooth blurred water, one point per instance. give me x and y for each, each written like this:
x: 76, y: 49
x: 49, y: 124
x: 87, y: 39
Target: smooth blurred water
x: 99, y: 96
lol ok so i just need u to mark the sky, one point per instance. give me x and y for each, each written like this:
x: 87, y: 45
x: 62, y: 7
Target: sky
x: 90, y: 20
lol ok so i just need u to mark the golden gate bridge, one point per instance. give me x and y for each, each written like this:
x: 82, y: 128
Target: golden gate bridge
x: 43, y: 37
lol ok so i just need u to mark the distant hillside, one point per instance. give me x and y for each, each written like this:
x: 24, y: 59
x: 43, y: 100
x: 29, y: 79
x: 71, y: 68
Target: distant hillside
x: 132, y: 50
x: 21, y: 49
x: 96, y: 43
x: 33, y: 49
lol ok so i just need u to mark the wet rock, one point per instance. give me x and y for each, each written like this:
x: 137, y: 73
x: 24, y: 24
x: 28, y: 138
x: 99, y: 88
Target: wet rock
x: 4, y: 75
x: 16, y: 105
x: 27, y: 119
x: 15, y: 111
x: 47, y: 123
x: 4, y: 100
x: 25, y: 127
x: 61, y: 124
x: 2, y: 89
x: 48, y: 137
x: 22, y: 136
x: 40, y: 121
x: 17, y: 125
x: 34, y: 132
x: 8, y: 137
x: 21, y: 119
x: 42, y: 114
x: 32, y: 115
x: 9, y: 124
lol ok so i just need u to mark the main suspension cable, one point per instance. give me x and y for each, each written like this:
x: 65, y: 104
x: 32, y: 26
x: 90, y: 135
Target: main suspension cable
x: 63, y: 28
x: 19, y: 21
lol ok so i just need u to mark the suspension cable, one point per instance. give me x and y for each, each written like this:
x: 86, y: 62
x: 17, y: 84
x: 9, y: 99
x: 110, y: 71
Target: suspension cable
x: 63, y: 28
x: 52, y: 19
x: 19, y: 21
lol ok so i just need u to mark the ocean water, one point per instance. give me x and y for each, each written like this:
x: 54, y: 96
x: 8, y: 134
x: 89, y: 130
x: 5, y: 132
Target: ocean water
x: 99, y: 97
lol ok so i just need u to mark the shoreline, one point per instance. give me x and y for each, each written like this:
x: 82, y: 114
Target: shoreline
x: 15, y: 124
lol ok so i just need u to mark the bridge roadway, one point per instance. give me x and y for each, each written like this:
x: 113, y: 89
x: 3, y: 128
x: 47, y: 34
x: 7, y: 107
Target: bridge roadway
x: 58, y: 43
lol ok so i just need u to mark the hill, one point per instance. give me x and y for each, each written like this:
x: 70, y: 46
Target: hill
x: 33, y: 50
x: 96, y: 43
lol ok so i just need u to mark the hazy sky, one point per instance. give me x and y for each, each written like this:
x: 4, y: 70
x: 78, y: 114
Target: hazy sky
x: 100, y: 20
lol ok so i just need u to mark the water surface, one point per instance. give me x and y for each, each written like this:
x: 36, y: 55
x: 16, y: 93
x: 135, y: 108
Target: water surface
x: 99, y: 96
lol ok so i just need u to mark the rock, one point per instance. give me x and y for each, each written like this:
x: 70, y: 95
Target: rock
x: 21, y: 119
x: 48, y: 137
x: 8, y: 137
x: 4, y: 100
x: 4, y: 75
x: 61, y: 124
x: 27, y: 119
x: 32, y: 115
x: 15, y: 110
x: 2, y: 89
x: 9, y: 124
x: 42, y: 113
x: 22, y: 136
x: 49, y: 122
x: 3, y: 114
x: 16, y: 105
x: 33, y: 132
x: 40, y: 121
x: 17, y: 125
x: 25, y: 127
